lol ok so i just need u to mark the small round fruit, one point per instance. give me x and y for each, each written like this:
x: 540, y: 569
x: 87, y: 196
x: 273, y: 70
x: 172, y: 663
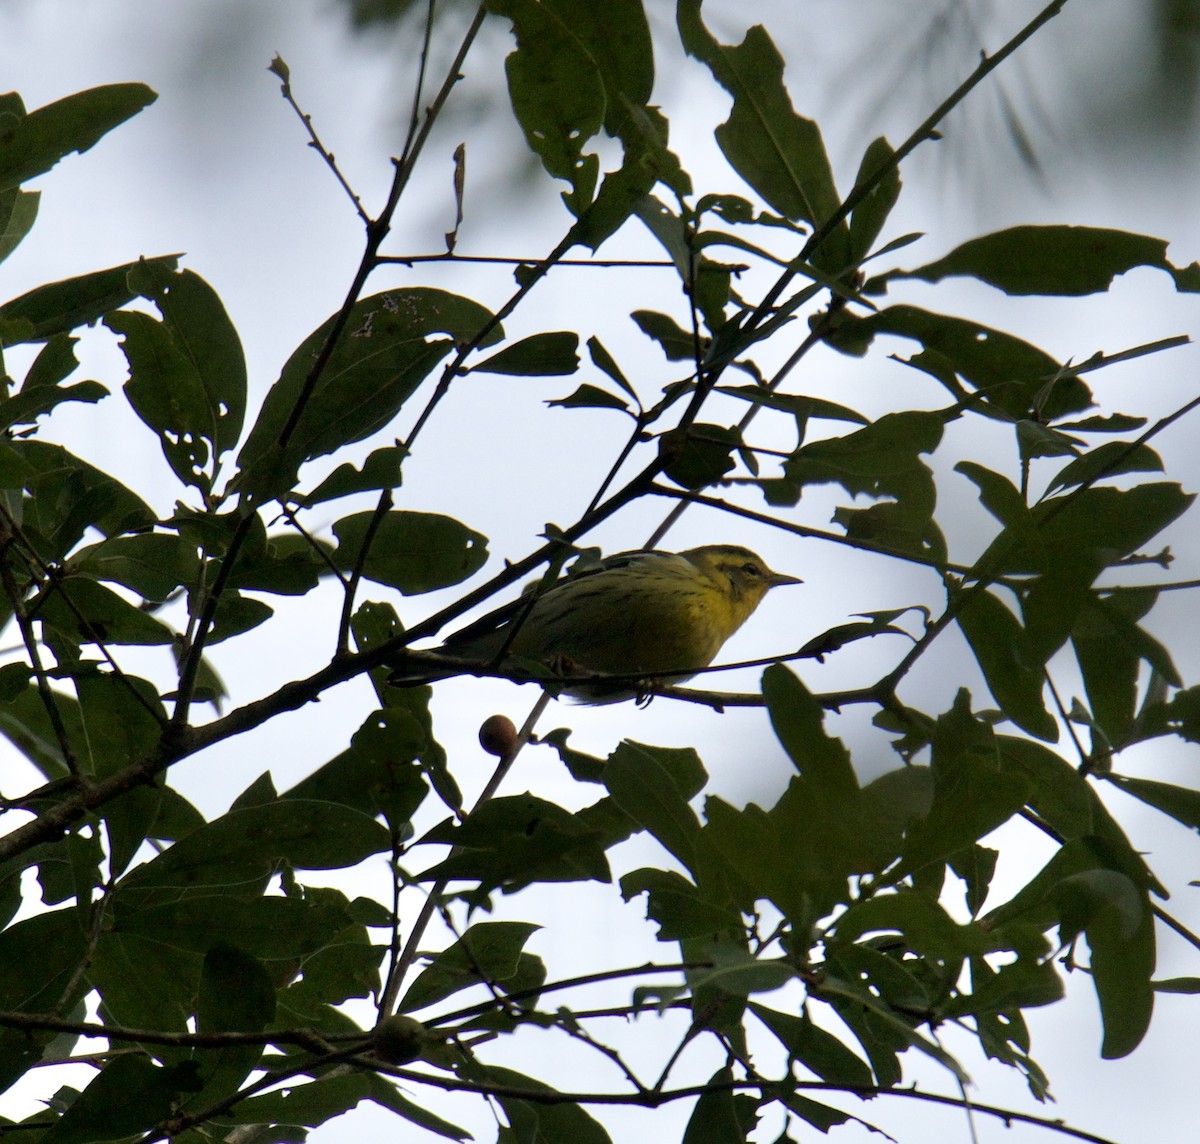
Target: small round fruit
x: 399, y: 1039
x: 498, y: 735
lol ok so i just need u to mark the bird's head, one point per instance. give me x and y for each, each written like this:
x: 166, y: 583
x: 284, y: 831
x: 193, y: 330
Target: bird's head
x: 742, y: 575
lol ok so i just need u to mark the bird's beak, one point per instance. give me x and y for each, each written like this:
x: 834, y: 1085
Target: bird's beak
x: 777, y: 579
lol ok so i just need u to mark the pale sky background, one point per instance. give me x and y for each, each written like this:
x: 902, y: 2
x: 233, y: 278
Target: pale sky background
x: 218, y: 168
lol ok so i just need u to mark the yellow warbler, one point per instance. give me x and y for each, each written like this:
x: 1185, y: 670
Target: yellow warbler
x: 642, y: 616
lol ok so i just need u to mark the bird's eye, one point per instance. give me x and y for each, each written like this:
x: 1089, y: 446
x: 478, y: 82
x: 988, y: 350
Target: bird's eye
x: 751, y: 569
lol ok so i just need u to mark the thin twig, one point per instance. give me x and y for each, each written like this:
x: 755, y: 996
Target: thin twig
x: 401, y: 966
x: 351, y: 585
x: 45, y: 691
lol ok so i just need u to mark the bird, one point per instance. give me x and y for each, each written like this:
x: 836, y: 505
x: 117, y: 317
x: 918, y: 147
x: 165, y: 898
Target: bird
x: 619, y: 626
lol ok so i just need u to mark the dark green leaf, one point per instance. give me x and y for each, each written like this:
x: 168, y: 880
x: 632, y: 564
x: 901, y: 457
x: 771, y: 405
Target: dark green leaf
x: 84, y: 611
x: 60, y: 307
x: 288, y: 564
x: 236, y: 996
x: 542, y: 355
x: 1014, y: 676
x: 270, y: 928
x: 700, y: 455
x: 152, y: 564
x: 817, y: 1050
x: 512, y: 841
x: 412, y: 551
x: 321, y: 1099
x: 590, y: 397
x: 603, y: 360
x: 31, y: 144
x: 18, y: 210
x: 384, y: 352
x: 679, y: 908
x: 868, y: 218
x: 1106, y: 460
x: 379, y: 774
x: 42, y: 390
x: 1069, y: 260
x: 166, y: 392
x: 130, y: 1096
x: 557, y: 94
x: 677, y: 343
x: 23, y: 719
x: 721, y: 1116
x: 1011, y: 374
x: 799, y: 724
x: 972, y: 793
x: 243, y: 847
x: 779, y: 153
x: 236, y: 614
x: 1181, y: 803
x: 119, y: 718
x: 202, y: 334
x: 381, y: 470
x: 646, y: 792
x: 487, y: 952
x: 68, y: 496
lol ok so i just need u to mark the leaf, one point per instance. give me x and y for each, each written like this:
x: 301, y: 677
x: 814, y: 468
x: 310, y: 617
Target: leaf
x: 645, y: 791
x: 31, y: 144
x: 721, y: 1116
x: 1110, y: 647
x: 590, y: 397
x: 269, y: 928
x: 557, y: 94
x: 166, y: 392
x: 603, y: 360
x: 130, y: 1096
x: 1058, y: 260
x: 288, y: 565
x: 537, y: 1120
x: 236, y: 996
x: 39, y: 957
x: 117, y: 717
x: 680, y: 908
x: 1107, y: 460
x: 739, y: 973
x: 816, y: 1049
x: 798, y: 722
x: 489, y: 952
x: 1015, y: 677
x: 1181, y: 803
x: 321, y: 1099
x: 152, y: 564
x: 385, y: 350
x: 972, y: 793
x: 203, y: 335
x: 42, y: 390
x: 512, y: 841
x: 676, y: 343
x: 412, y: 551
x: 868, y: 218
x: 60, y: 307
x: 84, y: 611
x: 378, y: 774
x: 18, y: 212
x: 542, y: 355
x: 699, y: 455
x: 779, y: 153
x: 1010, y: 374
x: 244, y: 846
x: 68, y: 496
x: 381, y: 470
